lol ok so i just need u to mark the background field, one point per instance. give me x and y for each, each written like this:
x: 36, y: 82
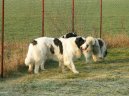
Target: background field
x: 23, y: 23
x: 23, y: 18
x: 108, y: 78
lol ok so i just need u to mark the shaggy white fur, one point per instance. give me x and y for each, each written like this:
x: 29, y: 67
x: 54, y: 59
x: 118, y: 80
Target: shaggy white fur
x: 94, y: 48
x: 62, y: 50
x: 70, y: 52
x: 39, y: 53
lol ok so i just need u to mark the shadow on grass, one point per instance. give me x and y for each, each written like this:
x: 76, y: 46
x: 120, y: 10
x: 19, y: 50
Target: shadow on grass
x: 22, y: 70
x: 50, y: 64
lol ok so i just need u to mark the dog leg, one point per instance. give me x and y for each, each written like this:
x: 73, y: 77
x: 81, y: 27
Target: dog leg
x: 42, y: 65
x: 73, y: 68
x: 95, y: 58
x: 88, y: 56
x: 61, y: 66
x: 30, y: 68
x: 88, y: 60
x: 69, y: 63
x: 37, y: 64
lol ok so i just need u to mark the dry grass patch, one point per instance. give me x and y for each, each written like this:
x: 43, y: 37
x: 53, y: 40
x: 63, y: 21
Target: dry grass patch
x: 14, y: 55
x: 108, y: 78
x: 15, y: 52
x: 118, y: 40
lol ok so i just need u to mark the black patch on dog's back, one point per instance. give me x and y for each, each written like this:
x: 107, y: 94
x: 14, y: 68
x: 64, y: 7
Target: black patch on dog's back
x: 57, y: 42
x: 79, y: 41
x: 34, y: 42
x: 100, y: 43
x: 52, y: 49
x: 71, y: 34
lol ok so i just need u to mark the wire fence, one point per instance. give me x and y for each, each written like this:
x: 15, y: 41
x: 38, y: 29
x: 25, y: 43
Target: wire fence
x: 23, y: 22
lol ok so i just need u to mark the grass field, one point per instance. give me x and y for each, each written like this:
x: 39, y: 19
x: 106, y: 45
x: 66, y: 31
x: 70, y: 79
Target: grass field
x: 23, y: 23
x: 108, y: 78
x: 23, y: 18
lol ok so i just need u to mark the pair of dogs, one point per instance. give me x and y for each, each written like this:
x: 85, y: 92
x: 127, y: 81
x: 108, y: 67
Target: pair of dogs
x: 64, y: 49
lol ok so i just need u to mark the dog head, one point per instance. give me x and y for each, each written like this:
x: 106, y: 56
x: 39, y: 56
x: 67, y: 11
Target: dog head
x: 89, y: 44
x: 92, y: 47
x: 80, y: 41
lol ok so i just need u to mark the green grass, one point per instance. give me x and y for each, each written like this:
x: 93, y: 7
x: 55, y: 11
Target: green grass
x: 115, y: 16
x: 23, y: 22
x: 107, y: 78
x: 23, y: 17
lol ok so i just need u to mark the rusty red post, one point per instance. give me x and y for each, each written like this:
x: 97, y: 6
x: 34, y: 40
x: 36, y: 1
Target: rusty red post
x: 101, y: 18
x: 2, y: 41
x: 72, y: 15
x: 42, y: 17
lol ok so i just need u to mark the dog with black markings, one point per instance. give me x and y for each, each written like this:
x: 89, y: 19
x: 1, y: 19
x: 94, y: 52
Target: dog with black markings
x: 71, y: 50
x: 94, y: 48
x: 40, y: 50
x: 62, y: 50
x: 97, y: 52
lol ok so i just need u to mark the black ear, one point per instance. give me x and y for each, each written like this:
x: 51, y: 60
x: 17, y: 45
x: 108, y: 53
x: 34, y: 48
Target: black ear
x: 57, y: 42
x: 95, y: 48
x: 79, y: 41
x: 52, y: 49
x: 34, y: 42
x: 100, y: 43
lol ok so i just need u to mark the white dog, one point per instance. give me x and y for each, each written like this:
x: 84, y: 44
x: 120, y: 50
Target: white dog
x: 94, y: 48
x: 71, y: 51
x: 39, y: 51
x: 63, y: 50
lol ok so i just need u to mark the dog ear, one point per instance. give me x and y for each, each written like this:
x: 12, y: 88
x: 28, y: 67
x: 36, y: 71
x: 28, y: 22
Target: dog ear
x: 56, y: 41
x: 34, y: 42
x: 79, y: 41
x: 95, y: 48
x: 100, y: 43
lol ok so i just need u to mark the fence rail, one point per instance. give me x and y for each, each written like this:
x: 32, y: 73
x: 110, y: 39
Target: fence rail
x: 28, y: 19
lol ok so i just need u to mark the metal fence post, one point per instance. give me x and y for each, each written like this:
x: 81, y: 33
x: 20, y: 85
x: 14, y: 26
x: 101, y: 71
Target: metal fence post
x: 2, y: 41
x: 101, y: 18
x: 72, y: 15
x: 42, y: 17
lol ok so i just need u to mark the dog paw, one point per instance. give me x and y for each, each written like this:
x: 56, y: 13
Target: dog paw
x: 43, y: 69
x: 30, y: 71
x: 76, y: 72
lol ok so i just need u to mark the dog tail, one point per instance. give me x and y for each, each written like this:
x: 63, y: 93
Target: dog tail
x: 29, y: 57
